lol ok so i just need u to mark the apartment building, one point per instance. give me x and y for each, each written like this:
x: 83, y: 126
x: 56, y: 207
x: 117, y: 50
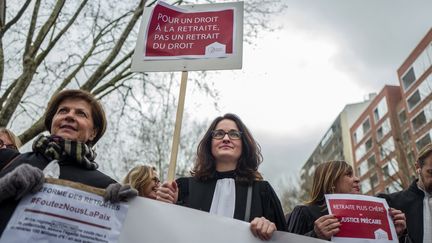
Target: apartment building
x: 334, y: 145
x: 375, y: 139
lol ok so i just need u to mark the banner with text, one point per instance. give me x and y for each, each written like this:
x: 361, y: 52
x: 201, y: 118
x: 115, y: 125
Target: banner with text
x: 63, y: 214
x: 190, y: 37
x: 362, y: 218
x: 173, y: 33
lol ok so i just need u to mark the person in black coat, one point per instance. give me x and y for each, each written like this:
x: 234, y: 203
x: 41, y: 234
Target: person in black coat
x: 416, y: 200
x: 313, y: 219
x: 76, y: 121
x: 225, y: 179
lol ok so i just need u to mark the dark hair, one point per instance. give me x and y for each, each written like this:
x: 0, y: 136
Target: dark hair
x: 424, y: 153
x: 325, y: 178
x: 247, y: 165
x: 97, y: 111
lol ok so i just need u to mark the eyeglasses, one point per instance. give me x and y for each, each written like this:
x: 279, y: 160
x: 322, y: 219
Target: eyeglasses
x: 9, y: 146
x: 220, y: 134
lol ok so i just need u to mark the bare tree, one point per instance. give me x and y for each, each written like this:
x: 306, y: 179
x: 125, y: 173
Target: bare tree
x: 49, y: 45
x: 289, y: 194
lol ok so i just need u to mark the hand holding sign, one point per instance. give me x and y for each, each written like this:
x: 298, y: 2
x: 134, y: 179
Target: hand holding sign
x: 22, y: 180
x: 262, y: 228
x: 399, y: 220
x: 167, y: 192
x: 364, y: 218
x: 326, y: 226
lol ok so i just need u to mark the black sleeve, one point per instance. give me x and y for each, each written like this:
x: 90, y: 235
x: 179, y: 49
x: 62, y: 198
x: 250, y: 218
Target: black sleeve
x: 300, y: 222
x: 272, y: 208
x: 183, y: 190
x: 386, y: 197
x: 6, y: 156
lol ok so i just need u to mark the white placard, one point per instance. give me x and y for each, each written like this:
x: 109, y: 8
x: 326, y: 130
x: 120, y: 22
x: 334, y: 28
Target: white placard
x: 63, y: 214
x: 214, y: 57
x: 153, y: 221
x: 364, y: 219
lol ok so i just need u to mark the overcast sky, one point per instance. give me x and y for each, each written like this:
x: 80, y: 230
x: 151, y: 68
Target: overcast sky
x: 296, y: 80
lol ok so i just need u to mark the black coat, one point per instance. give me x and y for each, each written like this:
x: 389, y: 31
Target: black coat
x: 68, y: 171
x: 301, y: 220
x: 410, y: 202
x: 265, y: 202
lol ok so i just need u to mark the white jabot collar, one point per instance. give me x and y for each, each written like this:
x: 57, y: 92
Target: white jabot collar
x: 223, y: 202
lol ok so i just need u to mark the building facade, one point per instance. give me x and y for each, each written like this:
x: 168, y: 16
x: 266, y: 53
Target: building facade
x: 415, y: 77
x: 375, y: 143
x: 395, y: 126
x: 334, y: 145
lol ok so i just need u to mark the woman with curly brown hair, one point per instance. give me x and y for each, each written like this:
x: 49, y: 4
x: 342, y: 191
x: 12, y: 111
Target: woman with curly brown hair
x: 225, y: 179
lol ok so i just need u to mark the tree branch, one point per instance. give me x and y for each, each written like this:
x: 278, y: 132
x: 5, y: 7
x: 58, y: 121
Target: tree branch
x: 16, y: 18
x: 94, y: 78
x: 31, y: 30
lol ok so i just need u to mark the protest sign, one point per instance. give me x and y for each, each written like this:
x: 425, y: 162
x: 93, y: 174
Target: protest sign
x: 154, y: 221
x: 173, y: 33
x: 362, y: 218
x: 63, y: 214
x: 191, y: 37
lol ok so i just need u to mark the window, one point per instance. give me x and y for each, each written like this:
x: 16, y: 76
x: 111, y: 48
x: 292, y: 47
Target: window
x: 361, y: 131
x: 368, y: 144
x: 419, y: 121
x: 425, y: 88
x: 422, y: 63
x: 413, y: 100
x: 387, y: 147
x: 423, y: 91
x: 408, y: 78
x: 380, y: 110
x: 395, y: 186
x: 428, y: 111
x: 365, y: 186
x: 426, y: 139
x: 371, y: 161
x: 380, y: 133
x: 374, y: 180
x: 402, y: 117
x: 383, y: 129
x: 363, y: 169
x: 366, y: 126
x: 327, y: 137
x: 390, y: 168
x: 360, y: 152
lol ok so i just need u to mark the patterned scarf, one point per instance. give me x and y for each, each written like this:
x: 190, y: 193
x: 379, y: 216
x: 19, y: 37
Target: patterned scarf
x: 54, y: 147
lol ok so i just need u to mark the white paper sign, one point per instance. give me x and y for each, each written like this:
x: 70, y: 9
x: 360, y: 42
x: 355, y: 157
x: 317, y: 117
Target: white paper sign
x: 63, y: 214
x: 363, y: 219
x: 153, y: 221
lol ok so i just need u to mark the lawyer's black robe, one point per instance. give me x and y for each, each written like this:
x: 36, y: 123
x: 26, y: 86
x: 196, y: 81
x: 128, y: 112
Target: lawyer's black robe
x: 265, y: 203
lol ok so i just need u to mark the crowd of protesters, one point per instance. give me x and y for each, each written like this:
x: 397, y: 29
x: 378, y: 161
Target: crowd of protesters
x: 224, y: 180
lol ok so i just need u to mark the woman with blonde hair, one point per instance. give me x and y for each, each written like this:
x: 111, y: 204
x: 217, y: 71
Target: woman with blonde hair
x: 144, y: 179
x: 8, y: 139
x: 313, y: 219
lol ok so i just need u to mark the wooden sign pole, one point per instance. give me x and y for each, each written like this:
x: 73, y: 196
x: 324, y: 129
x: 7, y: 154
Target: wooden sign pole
x: 177, y: 128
